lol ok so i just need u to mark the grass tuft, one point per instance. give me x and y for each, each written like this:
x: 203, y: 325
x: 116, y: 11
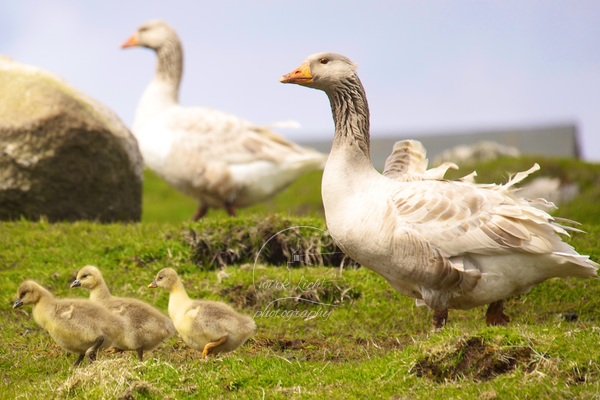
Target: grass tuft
x: 273, y: 240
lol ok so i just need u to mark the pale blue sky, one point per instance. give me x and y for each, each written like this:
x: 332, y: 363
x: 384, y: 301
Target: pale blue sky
x: 427, y: 66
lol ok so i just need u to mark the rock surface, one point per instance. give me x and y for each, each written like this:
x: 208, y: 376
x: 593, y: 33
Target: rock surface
x: 63, y: 155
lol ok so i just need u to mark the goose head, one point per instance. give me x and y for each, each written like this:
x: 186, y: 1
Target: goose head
x: 165, y: 279
x: 27, y: 293
x: 323, y: 71
x: 88, y: 277
x: 152, y: 34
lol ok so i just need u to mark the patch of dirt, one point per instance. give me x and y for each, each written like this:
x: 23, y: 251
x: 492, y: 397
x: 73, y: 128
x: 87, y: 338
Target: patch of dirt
x: 341, y: 348
x: 475, y: 359
x: 288, y: 344
x: 578, y: 376
x: 218, y: 246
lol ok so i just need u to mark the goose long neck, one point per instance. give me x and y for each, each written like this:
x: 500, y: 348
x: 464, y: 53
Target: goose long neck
x: 351, y: 116
x: 177, y: 297
x: 163, y: 90
x: 43, y: 307
x: 100, y: 292
x: 169, y: 66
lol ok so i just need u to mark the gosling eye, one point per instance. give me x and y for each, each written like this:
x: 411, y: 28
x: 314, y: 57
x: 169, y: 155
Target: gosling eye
x: 323, y: 60
x: 23, y: 294
x: 160, y: 278
x: 84, y: 276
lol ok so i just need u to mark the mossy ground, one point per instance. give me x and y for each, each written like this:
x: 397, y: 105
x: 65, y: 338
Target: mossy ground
x: 364, y: 341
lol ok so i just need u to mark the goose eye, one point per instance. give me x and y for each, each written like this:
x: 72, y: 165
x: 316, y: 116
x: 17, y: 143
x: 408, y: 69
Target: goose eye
x: 84, y: 276
x: 323, y: 61
x: 160, y: 278
x: 23, y: 294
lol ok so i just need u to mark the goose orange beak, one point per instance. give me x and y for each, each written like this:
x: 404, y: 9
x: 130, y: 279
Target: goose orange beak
x: 131, y: 42
x: 153, y: 284
x: 300, y: 75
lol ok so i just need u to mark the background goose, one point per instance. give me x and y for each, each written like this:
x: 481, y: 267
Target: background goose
x: 78, y: 326
x: 449, y: 244
x: 145, y: 326
x: 217, y: 158
x: 207, y: 326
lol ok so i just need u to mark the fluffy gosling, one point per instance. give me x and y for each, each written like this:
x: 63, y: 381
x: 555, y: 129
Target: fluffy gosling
x: 78, y: 326
x: 145, y: 326
x: 207, y: 326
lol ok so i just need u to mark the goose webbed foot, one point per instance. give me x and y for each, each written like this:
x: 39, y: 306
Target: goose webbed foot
x: 495, y: 316
x: 211, y: 345
x: 440, y: 317
x: 113, y: 350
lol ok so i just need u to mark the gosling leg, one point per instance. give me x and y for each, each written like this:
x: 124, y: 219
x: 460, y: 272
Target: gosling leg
x: 440, y: 317
x: 140, y: 353
x: 209, y: 346
x: 91, y: 352
x: 79, y: 360
x: 200, y: 212
x: 495, y: 316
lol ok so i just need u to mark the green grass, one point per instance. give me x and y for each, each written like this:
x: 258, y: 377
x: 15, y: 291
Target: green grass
x: 367, y: 342
x: 161, y: 203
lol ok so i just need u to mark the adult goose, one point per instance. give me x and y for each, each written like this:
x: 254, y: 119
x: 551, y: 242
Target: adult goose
x: 219, y: 159
x: 449, y: 244
x: 78, y: 326
x: 145, y: 326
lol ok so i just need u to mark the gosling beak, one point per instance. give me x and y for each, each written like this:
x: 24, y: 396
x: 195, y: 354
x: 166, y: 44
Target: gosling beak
x: 76, y: 283
x: 300, y: 75
x: 18, y: 303
x: 153, y: 284
x: 131, y: 42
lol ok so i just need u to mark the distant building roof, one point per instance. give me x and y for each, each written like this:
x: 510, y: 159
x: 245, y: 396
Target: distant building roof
x: 554, y: 141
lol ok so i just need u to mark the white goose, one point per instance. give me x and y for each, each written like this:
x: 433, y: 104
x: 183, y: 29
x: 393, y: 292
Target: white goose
x: 449, y: 244
x: 220, y: 159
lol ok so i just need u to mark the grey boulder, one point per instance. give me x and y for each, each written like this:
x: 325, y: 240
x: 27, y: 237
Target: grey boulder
x: 63, y: 154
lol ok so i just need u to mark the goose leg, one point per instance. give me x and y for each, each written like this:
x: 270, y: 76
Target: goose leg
x: 212, y: 345
x: 200, y: 212
x: 140, y: 353
x: 439, y: 318
x: 495, y: 316
x: 230, y: 209
x: 91, y: 352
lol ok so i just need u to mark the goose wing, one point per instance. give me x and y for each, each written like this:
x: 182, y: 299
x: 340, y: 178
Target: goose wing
x: 408, y: 162
x: 459, y: 218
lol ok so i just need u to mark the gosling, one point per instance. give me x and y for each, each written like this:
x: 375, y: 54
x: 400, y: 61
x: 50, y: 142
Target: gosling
x: 145, y: 326
x: 78, y: 326
x: 207, y: 326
